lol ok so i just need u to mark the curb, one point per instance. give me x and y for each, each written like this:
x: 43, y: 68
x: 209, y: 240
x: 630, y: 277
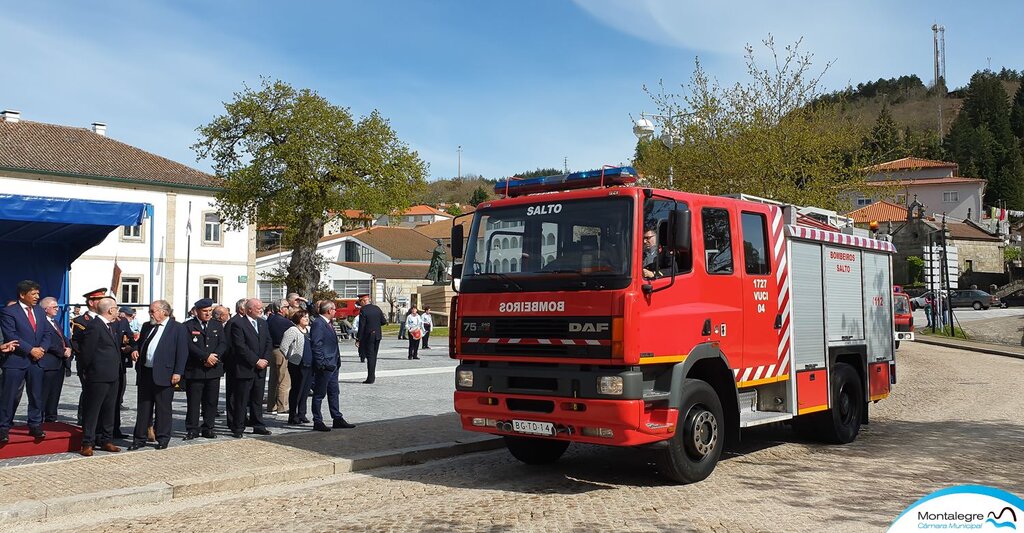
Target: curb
x: 205, y: 485
x: 977, y: 347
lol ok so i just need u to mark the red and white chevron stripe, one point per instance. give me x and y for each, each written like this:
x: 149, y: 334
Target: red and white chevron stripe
x: 839, y: 238
x: 782, y: 283
x: 554, y: 342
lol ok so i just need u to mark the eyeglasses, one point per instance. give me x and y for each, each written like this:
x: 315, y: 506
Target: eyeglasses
x: 649, y: 237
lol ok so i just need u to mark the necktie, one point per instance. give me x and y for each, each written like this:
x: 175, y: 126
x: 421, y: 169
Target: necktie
x: 254, y: 326
x: 113, y: 332
x: 31, y: 318
x: 203, y: 325
x: 145, y: 345
x: 59, y: 332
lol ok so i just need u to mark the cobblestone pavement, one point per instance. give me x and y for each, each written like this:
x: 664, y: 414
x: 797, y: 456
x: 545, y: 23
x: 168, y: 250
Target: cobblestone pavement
x: 427, y: 383
x: 955, y: 417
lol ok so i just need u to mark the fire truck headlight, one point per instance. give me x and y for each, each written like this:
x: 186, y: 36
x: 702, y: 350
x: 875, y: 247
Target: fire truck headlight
x: 609, y: 385
x: 465, y: 378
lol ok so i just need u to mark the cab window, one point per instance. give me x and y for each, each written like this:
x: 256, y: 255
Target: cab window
x: 717, y: 240
x: 755, y: 238
x: 656, y: 260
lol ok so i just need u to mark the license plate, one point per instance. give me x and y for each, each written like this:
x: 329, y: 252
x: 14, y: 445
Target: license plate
x: 533, y: 428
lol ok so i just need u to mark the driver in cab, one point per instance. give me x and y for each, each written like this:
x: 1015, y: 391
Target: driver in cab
x: 651, y: 253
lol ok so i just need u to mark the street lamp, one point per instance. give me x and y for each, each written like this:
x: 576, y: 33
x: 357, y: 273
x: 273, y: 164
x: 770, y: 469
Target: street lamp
x: 671, y: 135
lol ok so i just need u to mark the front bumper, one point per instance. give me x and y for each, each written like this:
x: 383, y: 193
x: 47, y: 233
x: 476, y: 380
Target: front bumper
x: 633, y: 422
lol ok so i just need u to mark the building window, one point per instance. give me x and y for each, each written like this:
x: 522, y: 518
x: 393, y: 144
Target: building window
x: 350, y: 288
x: 211, y: 289
x: 863, y: 201
x: 131, y: 233
x: 951, y: 196
x: 270, y: 291
x: 131, y: 290
x: 211, y: 228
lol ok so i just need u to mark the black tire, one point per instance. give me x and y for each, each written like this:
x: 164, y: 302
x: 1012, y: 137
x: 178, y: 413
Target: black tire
x: 535, y: 451
x: 693, y: 452
x: 841, y: 423
x: 977, y: 306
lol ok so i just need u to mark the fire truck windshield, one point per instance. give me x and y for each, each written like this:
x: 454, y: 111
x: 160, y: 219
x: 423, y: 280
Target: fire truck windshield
x: 554, y: 245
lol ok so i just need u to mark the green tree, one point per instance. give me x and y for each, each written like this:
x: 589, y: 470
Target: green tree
x: 287, y: 157
x: 982, y: 142
x: 884, y: 142
x: 454, y: 210
x: 1017, y: 114
x: 479, y: 195
x: 764, y: 137
x: 538, y: 173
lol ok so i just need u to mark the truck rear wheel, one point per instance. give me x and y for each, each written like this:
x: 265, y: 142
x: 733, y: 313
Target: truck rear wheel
x: 693, y: 451
x: 534, y: 451
x: 841, y: 424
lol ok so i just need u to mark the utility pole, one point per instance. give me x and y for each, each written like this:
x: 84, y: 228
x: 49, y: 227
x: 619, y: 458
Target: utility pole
x: 565, y: 164
x: 460, y: 161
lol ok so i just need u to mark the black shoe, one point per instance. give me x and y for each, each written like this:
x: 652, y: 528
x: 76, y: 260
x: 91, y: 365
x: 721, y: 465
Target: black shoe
x: 37, y: 432
x: 319, y: 426
x: 236, y: 434
x: 368, y: 382
x: 161, y: 446
x: 362, y: 360
x: 261, y: 431
x: 190, y: 435
x: 340, y: 423
x: 120, y: 435
x: 208, y: 434
x: 303, y: 420
x: 416, y: 357
x: 4, y: 437
x: 50, y: 420
x: 136, y: 445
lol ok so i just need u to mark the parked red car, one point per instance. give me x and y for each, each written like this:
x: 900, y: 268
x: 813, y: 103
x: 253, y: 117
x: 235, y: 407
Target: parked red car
x: 345, y: 308
x: 903, y: 318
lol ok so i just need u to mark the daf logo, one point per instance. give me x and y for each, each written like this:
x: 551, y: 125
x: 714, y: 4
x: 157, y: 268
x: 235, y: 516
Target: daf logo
x: 588, y: 327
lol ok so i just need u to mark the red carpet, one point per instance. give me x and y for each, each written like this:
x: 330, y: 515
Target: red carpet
x: 60, y: 438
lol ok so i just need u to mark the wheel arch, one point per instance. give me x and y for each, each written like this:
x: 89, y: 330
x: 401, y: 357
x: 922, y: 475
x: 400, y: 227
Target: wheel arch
x: 707, y: 363
x: 856, y: 357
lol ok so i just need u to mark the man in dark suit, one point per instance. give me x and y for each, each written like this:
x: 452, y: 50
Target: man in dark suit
x: 99, y: 366
x: 128, y: 345
x: 53, y: 380
x: 280, y: 380
x: 326, y: 360
x: 250, y: 354
x: 203, y: 369
x: 229, y: 364
x: 371, y: 318
x: 78, y: 325
x: 26, y: 323
x: 159, y: 364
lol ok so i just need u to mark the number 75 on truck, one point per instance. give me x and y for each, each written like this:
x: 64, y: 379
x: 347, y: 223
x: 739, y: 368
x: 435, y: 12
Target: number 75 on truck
x: 593, y: 310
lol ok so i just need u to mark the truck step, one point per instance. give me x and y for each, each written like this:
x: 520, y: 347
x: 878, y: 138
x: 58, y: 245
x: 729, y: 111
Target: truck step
x: 758, y: 418
x: 655, y: 395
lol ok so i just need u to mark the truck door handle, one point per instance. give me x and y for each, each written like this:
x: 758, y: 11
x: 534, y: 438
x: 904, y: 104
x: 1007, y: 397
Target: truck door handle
x: 778, y: 321
x: 706, y: 332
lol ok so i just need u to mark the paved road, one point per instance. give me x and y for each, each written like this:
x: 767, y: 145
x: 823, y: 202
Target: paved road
x: 966, y: 314
x: 955, y: 417
x: 427, y: 384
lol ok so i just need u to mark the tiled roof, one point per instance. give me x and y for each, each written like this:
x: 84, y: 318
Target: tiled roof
x: 879, y: 211
x: 389, y: 270
x: 402, y: 244
x: 923, y: 182
x: 423, y: 210
x: 910, y: 163
x: 442, y: 229
x: 965, y: 231
x: 35, y: 146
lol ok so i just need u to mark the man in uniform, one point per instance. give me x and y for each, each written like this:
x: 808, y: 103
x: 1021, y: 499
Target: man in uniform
x: 368, y: 335
x: 203, y: 369
x: 78, y: 325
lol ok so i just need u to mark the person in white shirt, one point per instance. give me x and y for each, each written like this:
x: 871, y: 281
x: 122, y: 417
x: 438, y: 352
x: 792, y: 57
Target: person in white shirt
x: 414, y: 328
x: 428, y: 324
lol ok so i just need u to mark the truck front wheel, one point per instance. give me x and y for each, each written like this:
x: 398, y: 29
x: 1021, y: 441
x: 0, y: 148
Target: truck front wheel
x: 693, y: 452
x: 533, y: 451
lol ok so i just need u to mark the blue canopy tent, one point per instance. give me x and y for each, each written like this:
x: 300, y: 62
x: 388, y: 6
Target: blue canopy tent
x: 41, y: 236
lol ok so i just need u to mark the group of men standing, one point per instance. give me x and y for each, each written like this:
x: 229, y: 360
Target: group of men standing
x: 193, y: 355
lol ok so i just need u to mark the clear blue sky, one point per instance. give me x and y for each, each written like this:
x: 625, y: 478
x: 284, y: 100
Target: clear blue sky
x: 518, y: 84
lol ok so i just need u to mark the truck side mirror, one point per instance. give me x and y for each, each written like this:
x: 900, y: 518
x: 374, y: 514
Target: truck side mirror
x: 457, y: 239
x: 456, y: 270
x: 679, y: 230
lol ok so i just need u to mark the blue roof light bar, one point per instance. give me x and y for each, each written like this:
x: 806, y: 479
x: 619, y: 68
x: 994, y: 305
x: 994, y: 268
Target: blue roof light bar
x: 512, y: 187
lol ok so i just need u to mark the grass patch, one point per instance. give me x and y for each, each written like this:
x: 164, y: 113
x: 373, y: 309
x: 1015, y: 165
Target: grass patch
x: 944, y: 332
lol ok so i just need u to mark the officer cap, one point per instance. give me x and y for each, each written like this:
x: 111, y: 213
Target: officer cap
x: 203, y: 303
x: 96, y: 294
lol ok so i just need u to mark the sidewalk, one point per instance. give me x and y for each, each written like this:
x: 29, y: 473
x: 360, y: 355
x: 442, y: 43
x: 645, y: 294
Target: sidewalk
x: 974, y: 346
x: 46, y: 490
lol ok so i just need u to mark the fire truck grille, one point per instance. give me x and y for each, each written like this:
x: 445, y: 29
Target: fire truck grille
x: 583, y: 337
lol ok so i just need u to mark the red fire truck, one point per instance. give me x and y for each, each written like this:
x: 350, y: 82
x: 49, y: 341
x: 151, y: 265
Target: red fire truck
x: 592, y: 310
